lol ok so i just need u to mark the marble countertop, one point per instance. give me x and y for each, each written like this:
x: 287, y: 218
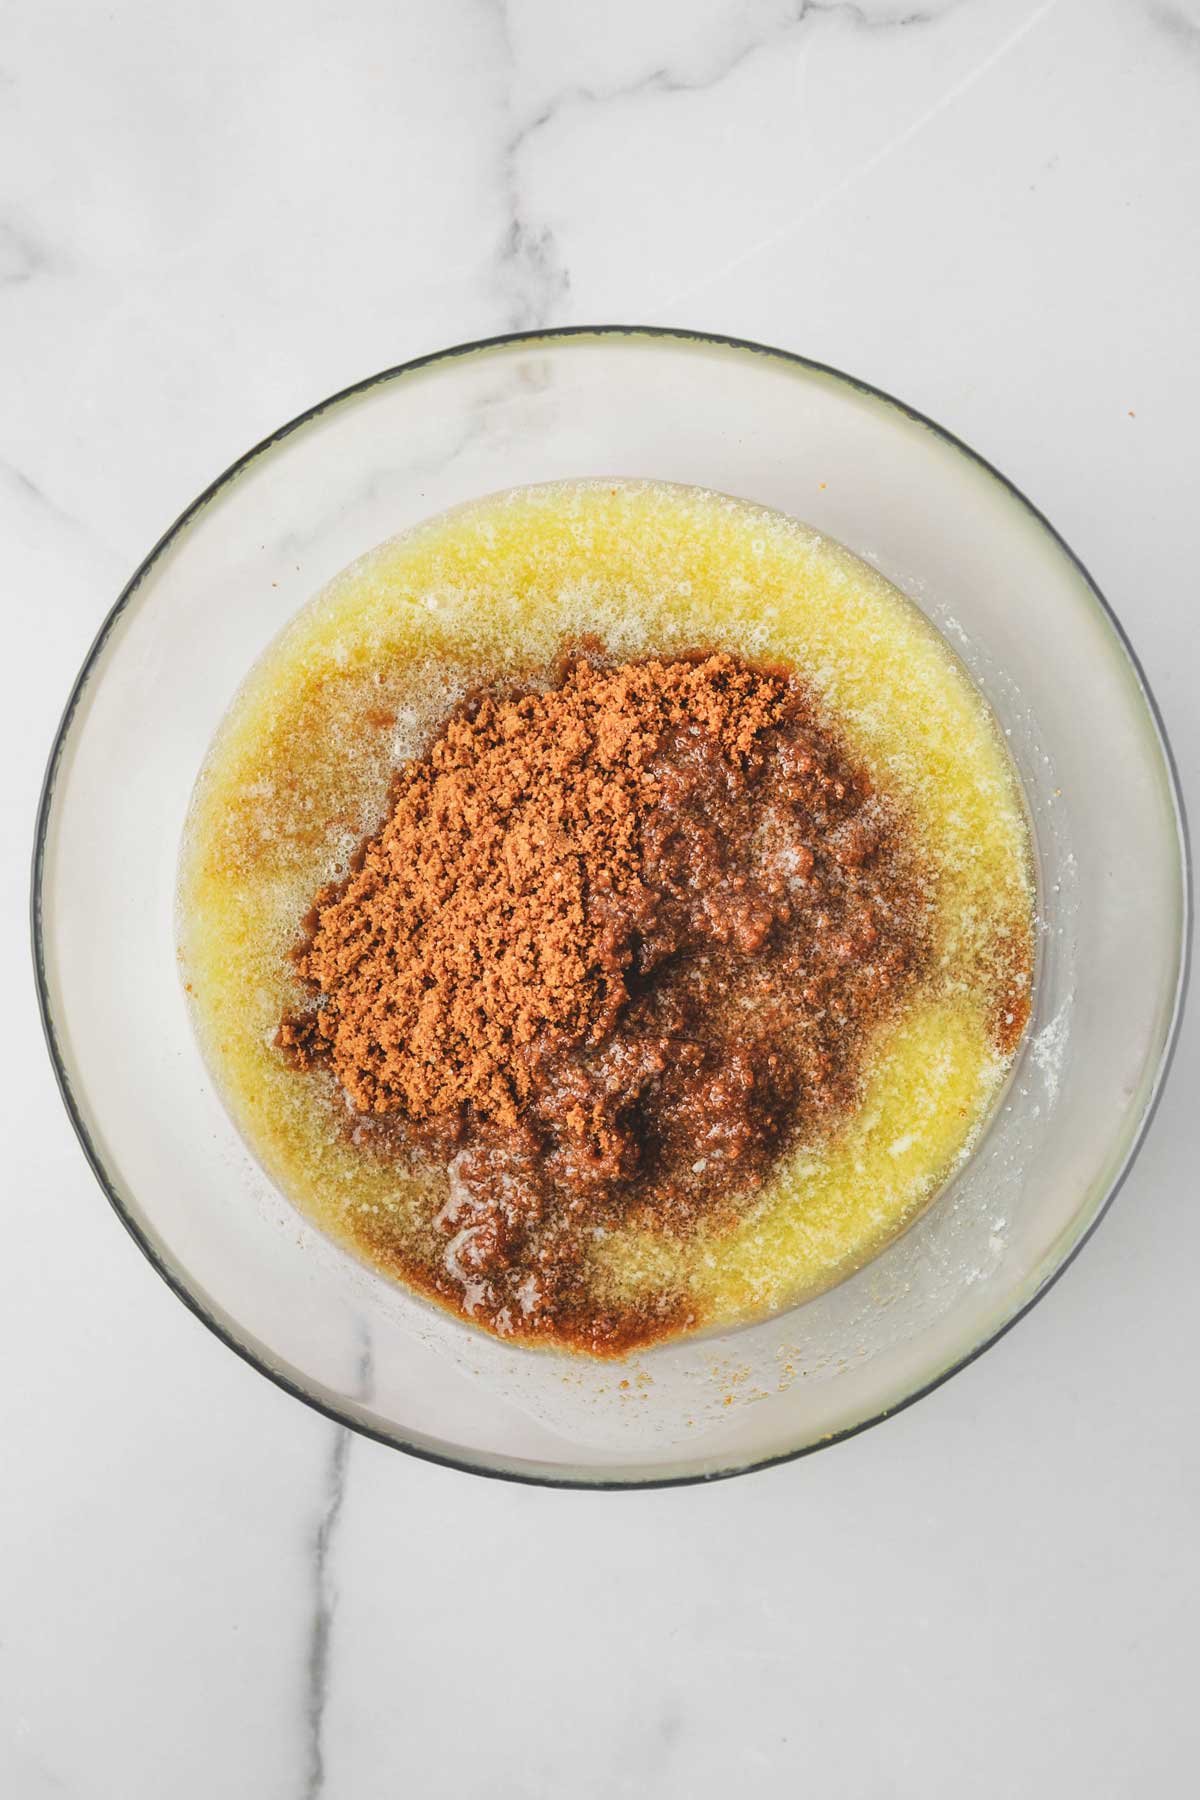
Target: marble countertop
x: 209, y: 218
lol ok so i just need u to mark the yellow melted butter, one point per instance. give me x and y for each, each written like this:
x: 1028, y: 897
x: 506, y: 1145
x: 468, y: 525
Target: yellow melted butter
x: 299, y: 769
x: 834, y: 1207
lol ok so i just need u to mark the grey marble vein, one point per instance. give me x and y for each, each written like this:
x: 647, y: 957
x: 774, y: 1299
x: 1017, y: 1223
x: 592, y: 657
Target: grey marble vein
x: 860, y: 15
x: 24, y: 484
x: 859, y: 171
x: 324, y: 1595
x: 27, y: 488
x: 22, y: 257
x: 1183, y: 28
x: 530, y: 265
x: 668, y: 80
x: 530, y: 270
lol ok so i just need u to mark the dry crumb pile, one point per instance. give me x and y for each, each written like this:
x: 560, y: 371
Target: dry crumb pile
x: 617, y: 942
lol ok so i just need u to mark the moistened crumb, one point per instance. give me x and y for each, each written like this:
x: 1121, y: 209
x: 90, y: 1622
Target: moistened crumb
x: 620, y: 939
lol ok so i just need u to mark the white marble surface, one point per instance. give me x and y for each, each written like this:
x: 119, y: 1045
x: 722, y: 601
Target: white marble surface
x: 209, y: 217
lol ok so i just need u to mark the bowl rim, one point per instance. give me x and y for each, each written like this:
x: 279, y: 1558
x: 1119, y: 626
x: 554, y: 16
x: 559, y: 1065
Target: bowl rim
x: 532, y: 1475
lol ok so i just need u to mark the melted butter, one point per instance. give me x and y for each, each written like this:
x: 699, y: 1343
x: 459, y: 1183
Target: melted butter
x: 834, y: 1206
x: 299, y: 769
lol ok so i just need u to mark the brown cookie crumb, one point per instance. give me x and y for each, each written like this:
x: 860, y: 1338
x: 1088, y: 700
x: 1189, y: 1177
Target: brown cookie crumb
x: 617, y: 942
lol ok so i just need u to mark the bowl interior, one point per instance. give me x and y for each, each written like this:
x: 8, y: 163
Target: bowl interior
x: 1012, y: 602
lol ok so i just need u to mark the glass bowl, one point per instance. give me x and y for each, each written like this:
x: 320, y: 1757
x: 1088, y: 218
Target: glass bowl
x: 1038, y: 639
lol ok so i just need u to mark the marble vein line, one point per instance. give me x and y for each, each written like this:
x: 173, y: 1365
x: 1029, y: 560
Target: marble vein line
x: 320, y: 1632
x: 1183, y: 28
x: 667, y: 80
x: 872, y: 162
x: 21, y: 256
x: 529, y: 267
x: 27, y: 489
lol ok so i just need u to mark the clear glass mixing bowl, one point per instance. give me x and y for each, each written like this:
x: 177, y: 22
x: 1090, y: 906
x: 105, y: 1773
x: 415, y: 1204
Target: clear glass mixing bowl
x: 1017, y: 607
